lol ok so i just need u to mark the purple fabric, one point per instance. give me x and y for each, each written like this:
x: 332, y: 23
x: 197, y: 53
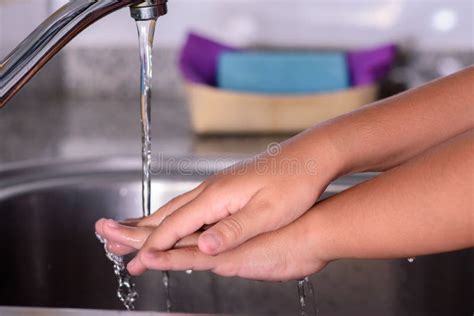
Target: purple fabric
x: 369, y: 66
x: 199, y: 58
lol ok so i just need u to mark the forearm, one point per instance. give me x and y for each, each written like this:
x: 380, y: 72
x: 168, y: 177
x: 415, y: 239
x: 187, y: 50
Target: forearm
x: 423, y: 206
x: 387, y: 133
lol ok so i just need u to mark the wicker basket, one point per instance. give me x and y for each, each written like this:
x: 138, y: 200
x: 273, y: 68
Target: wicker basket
x: 215, y: 111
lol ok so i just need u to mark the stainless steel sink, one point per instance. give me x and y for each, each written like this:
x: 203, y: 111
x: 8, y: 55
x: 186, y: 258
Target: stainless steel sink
x: 51, y: 258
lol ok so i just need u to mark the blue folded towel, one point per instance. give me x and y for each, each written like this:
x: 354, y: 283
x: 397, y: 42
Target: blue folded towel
x: 282, y: 72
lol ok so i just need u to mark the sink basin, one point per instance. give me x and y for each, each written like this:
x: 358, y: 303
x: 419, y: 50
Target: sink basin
x: 51, y: 258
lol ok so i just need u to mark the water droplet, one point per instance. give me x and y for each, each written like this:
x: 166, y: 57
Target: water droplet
x: 166, y: 284
x: 189, y: 271
x: 411, y: 259
x: 307, y: 298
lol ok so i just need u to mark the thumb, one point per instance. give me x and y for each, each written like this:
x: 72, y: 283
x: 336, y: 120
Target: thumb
x: 252, y: 220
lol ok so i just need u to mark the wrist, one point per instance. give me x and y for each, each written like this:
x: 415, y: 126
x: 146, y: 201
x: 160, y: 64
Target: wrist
x: 321, y: 234
x: 308, y: 247
x: 327, y: 161
x: 351, y: 140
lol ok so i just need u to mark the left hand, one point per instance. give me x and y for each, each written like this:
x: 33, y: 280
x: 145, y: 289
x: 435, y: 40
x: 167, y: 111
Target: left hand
x: 285, y: 254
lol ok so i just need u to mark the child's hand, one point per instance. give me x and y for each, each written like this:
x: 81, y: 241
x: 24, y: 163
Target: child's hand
x: 285, y: 254
x: 246, y: 200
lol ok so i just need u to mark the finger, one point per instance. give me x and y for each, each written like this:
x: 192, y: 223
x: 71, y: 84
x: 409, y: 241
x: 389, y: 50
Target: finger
x: 183, y: 222
x: 133, y: 237
x: 139, y: 268
x: 157, y: 218
x: 99, y: 227
x: 119, y: 250
x: 115, y: 248
x: 122, y: 250
x: 257, y: 217
x: 190, y: 258
x: 132, y: 221
x: 188, y: 241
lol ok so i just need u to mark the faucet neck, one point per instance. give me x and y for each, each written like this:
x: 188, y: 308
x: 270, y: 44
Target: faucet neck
x: 55, y: 32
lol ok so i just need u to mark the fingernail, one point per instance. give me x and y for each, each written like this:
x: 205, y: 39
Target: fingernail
x: 212, y: 242
x: 112, y: 224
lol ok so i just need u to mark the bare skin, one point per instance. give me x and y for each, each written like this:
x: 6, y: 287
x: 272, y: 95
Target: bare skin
x: 422, y: 204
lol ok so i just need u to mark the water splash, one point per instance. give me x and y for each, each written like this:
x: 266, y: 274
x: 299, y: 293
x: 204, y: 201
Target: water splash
x: 307, y: 298
x: 126, y: 290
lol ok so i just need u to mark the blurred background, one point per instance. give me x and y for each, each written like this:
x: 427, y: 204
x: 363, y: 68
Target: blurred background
x: 89, y: 91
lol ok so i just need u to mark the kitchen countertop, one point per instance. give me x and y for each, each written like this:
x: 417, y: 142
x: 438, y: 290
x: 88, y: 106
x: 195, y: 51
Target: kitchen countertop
x: 67, y: 129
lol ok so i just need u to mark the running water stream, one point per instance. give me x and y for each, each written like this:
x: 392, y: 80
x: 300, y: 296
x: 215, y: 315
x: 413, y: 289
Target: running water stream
x: 126, y: 291
x: 146, y: 35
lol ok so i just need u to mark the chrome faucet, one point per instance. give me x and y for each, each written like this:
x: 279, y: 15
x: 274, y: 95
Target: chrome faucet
x: 56, y: 31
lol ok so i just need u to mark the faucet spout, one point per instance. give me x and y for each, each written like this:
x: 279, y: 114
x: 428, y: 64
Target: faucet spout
x: 18, y: 67
x: 149, y: 10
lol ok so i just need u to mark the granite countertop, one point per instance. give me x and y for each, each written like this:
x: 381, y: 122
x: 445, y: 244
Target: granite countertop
x: 68, y: 129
